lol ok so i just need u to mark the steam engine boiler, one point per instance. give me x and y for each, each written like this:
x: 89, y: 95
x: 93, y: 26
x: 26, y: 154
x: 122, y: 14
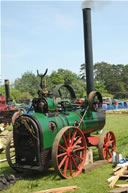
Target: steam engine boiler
x: 58, y: 133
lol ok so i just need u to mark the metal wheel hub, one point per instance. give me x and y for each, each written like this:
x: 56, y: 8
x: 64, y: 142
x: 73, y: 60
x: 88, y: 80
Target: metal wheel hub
x: 70, y: 151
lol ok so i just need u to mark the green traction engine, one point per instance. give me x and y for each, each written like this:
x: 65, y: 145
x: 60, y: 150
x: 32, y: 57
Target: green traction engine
x: 60, y: 130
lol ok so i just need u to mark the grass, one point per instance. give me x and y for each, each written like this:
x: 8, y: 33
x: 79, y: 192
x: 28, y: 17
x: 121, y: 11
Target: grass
x: 92, y: 182
x: 119, y: 125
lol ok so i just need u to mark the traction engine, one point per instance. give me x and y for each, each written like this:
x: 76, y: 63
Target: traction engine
x: 59, y: 131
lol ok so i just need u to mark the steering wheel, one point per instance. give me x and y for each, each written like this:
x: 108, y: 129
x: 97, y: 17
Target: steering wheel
x: 95, y: 101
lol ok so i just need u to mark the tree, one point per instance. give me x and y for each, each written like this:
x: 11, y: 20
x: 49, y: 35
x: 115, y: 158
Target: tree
x: 114, y: 78
x: 25, y: 95
x: 102, y: 72
x: 68, y: 76
x: 125, y: 80
x: 82, y: 74
x: 15, y: 94
x: 54, y: 79
x: 2, y: 90
x: 28, y: 83
x: 99, y: 76
x: 109, y: 78
x: 79, y: 88
x: 100, y: 87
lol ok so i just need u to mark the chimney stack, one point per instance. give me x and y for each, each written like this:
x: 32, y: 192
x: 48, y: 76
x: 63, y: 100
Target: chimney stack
x: 7, y: 91
x: 88, y: 49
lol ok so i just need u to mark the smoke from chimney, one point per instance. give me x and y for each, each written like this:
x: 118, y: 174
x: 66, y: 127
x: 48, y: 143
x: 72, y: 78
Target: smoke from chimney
x: 95, y: 5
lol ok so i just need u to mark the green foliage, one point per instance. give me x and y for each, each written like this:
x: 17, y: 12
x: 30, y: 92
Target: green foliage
x: 68, y: 76
x: 2, y: 90
x: 14, y: 93
x: 54, y: 79
x: 100, y: 87
x: 118, y: 124
x: 82, y: 74
x: 25, y: 95
x: 114, y: 78
x: 125, y: 78
x: 27, y: 83
x: 79, y: 88
x: 102, y: 72
x: 109, y: 79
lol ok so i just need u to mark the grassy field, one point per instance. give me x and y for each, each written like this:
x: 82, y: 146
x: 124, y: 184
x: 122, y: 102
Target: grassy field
x: 92, y: 182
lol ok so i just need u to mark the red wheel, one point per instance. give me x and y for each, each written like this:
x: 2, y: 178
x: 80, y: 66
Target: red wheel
x: 69, y: 152
x: 107, y: 145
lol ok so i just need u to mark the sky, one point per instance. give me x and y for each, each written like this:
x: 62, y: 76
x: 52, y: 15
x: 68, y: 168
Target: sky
x: 49, y: 34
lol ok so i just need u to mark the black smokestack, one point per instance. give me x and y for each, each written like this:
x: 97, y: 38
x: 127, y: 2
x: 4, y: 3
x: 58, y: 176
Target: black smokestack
x: 88, y: 49
x: 7, y: 90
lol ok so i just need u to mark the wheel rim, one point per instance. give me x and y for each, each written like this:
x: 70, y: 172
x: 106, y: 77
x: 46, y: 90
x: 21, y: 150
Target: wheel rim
x: 69, y: 152
x: 109, y: 146
x: 15, y: 116
x: 10, y: 152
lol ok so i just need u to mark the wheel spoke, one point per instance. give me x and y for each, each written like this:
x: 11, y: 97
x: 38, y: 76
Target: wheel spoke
x: 69, y: 136
x: 110, y: 142
x: 75, y: 164
x: 65, y: 142
x: 63, y: 148
x: 79, y: 149
x: 66, y: 165
x: 106, y: 148
x: 78, y: 157
x: 77, y: 141
x: 74, y: 135
x: 70, y: 166
x: 62, y: 154
x: 63, y: 160
x: 110, y: 154
x: 109, y: 138
x: 107, y: 153
x: 106, y: 139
